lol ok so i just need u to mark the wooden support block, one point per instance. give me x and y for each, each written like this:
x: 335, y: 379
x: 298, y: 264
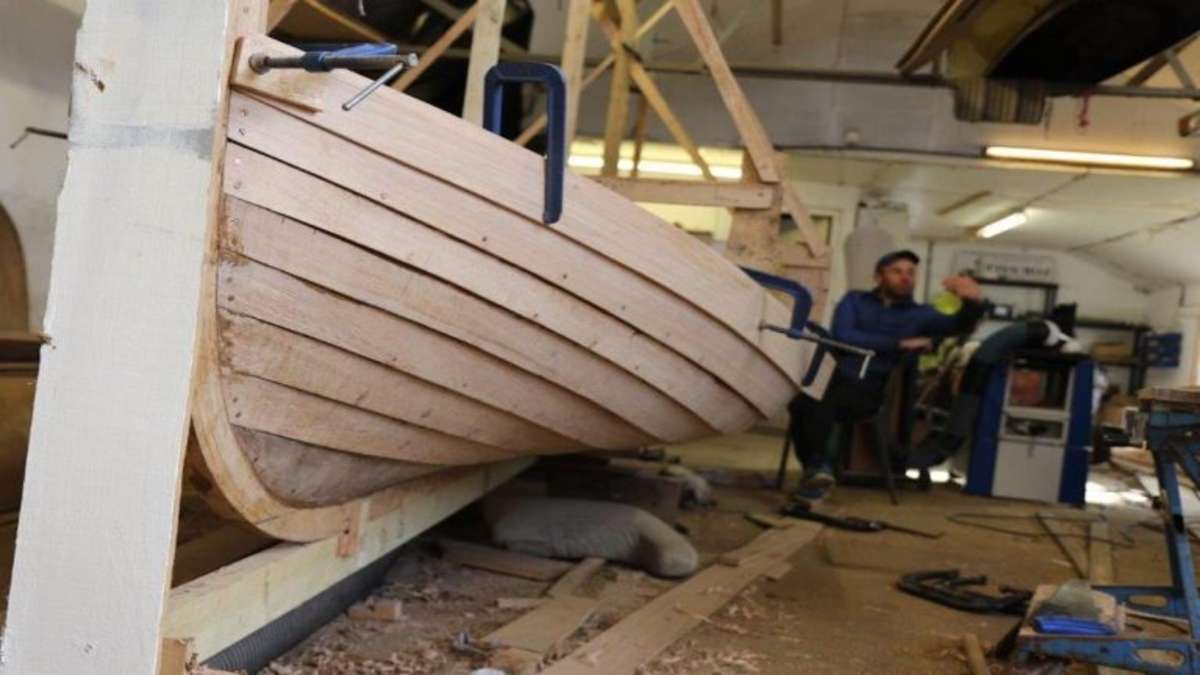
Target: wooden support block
x: 378, y: 609
x: 350, y: 540
x: 543, y: 630
x: 574, y: 579
x: 504, y: 562
x: 641, y: 636
x: 178, y: 657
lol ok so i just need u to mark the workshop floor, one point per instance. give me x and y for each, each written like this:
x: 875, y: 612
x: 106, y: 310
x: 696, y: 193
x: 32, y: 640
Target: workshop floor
x: 837, y: 611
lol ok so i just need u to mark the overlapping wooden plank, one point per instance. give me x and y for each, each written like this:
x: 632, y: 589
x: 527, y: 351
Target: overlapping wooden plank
x: 414, y: 133
x: 283, y: 189
x: 621, y: 292
x: 275, y: 409
x: 351, y: 271
x: 253, y: 289
x: 255, y: 348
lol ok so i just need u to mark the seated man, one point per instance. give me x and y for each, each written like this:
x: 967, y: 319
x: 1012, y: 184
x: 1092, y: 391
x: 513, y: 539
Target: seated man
x: 887, y: 321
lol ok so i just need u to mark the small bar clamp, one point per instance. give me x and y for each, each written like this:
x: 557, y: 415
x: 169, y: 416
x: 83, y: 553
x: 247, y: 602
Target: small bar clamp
x: 802, y: 328
x: 354, y: 57
x: 555, y: 81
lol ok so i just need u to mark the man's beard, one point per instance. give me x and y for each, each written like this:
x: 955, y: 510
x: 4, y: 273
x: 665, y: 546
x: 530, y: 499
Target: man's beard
x: 892, y: 295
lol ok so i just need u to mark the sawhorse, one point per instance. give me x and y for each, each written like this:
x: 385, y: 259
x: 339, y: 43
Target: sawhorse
x: 1171, y: 419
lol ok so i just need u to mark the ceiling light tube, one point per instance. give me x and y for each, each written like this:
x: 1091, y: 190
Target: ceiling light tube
x: 1090, y: 158
x: 1010, y: 222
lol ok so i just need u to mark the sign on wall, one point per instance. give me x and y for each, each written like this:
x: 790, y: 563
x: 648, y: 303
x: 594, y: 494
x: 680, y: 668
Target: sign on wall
x: 1007, y: 266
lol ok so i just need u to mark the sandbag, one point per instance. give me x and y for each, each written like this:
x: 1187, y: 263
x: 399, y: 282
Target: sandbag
x: 576, y: 528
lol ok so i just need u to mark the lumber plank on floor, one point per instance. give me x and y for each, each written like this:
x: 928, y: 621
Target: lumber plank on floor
x: 504, y: 562
x: 641, y: 636
x: 544, y: 629
x: 578, y: 575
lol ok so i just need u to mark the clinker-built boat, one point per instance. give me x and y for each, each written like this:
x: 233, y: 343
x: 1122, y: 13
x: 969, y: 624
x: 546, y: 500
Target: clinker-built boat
x: 385, y: 306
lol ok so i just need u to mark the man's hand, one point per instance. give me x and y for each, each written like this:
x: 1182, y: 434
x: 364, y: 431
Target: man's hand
x: 916, y: 344
x: 964, y: 287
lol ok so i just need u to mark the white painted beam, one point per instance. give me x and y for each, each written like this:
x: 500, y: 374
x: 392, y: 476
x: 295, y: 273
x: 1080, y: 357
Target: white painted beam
x: 97, y: 528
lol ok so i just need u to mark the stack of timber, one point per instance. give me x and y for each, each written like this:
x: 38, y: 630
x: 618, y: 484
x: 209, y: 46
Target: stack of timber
x: 384, y: 303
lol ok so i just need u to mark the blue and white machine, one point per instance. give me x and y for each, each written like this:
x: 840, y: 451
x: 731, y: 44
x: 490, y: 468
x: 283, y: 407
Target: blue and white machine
x: 1033, y: 435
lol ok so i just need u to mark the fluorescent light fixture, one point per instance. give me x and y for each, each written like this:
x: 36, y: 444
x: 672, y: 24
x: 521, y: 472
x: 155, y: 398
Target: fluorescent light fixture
x: 658, y: 167
x: 1010, y: 222
x: 1090, y: 158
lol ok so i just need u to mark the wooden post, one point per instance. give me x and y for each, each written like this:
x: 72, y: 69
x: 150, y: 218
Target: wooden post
x: 485, y: 52
x: 639, y: 134
x: 618, y: 100
x: 97, y: 528
x: 574, y: 51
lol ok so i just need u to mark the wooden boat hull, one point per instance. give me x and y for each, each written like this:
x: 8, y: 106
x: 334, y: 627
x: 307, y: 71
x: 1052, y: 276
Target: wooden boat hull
x: 384, y: 305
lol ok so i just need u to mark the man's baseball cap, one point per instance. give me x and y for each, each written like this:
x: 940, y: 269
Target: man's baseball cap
x: 897, y: 255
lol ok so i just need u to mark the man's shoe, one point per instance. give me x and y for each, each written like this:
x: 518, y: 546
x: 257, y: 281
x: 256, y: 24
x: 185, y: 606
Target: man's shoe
x: 815, y: 485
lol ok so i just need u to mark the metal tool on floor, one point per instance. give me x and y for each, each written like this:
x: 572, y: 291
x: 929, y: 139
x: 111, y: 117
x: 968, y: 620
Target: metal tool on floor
x: 323, y: 58
x: 950, y: 588
x: 1171, y: 421
x: 802, y: 510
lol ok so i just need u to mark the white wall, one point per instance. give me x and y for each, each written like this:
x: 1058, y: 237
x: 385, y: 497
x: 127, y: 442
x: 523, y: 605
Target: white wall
x: 37, y: 44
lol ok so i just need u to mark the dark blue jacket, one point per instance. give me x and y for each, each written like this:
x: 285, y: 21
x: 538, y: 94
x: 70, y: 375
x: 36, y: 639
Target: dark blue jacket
x: 862, y: 319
